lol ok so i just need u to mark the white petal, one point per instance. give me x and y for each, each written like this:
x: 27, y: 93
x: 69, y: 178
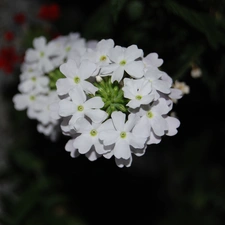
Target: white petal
x: 95, y: 102
x: 64, y: 85
x: 132, y: 53
x: 88, y: 87
x: 159, y: 125
x: 69, y: 69
x: 26, y: 86
x: 109, y: 69
x: 109, y: 137
x: 31, y: 55
x: 162, y: 86
x: 66, y: 108
x: 122, y: 150
x: 153, y: 139
x: 96, y: 115
x: 39, y: 43
x: 118, y: 74
x: 69, y: 148
x: 142, y: 127
x: 83, y: 143
x: 137, y: 141
x: 20, y: 101
x: 173, y: 124
x: 118, y: 119
x: 86, y: 69
x: 123, y: 162
x: 77, y: 95
x: 92, y: 155
x: 135, y: 69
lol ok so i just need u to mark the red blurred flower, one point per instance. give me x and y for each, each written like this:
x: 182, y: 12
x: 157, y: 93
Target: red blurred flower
x: 19, y: 18
x: 8, y: 35
x: 8, y: 59
x: 49, y: 12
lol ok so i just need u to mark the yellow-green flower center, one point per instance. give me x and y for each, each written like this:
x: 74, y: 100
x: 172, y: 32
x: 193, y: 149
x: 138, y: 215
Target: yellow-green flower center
x: 138, y: 97
x: 103, y: 58
x: 80, y: 108
x: 33, y: 79
x: 32, y: 97
x: 93, y: 132
x: 42, y: 54
x: 123, y: 62
x: 123, y: 134
x: 77, y: 80
x: 68, y: 48
x: 149, y: 114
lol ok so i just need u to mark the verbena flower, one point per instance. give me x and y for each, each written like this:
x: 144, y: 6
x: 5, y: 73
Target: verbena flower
x: 109, y: 100
x: 114, y: 102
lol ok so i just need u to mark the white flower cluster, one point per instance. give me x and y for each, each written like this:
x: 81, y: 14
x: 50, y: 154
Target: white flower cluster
x: 39, y: 73
x: 114, y: 101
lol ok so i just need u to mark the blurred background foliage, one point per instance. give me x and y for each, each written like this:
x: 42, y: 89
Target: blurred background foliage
x: 180, y: 180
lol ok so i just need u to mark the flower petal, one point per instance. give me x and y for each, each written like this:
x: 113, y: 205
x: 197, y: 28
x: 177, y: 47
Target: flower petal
x: 83, y: 143
x: 118, y: 119
x: 122, y: 150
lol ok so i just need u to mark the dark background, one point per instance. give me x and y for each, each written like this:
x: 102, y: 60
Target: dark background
x: 178, y: 181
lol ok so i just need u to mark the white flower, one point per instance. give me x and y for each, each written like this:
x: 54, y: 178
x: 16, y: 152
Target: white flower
x: 92, y: 155
x: 152, y: 117
x: 138, y: 91
x: 79, y: 106
x: 121, y: 136
x: 153, y: 75
x: 43, y: 107
x: 152, y: 60
x: 76, y: 76
x: 99, y: 54
x: 26, y: 101
x: 34, y: 82
x: 28, y: 70
x: 124, y: 59
x: 44, y: 54
x: 71, y: 46
x: 88, y: 137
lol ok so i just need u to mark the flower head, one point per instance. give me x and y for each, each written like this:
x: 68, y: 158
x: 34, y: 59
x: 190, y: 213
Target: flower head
x: 111, y: 100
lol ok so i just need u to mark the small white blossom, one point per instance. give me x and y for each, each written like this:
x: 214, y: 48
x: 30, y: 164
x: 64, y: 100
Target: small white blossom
x: 43, y: 54
x: 76, y: 76
x: 124, y: 59
x: 138, y: 91
x: 121, y: 136
x: 79, y: 107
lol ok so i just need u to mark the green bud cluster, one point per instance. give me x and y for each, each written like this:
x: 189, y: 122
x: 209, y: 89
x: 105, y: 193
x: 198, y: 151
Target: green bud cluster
x: 112, y: 95
x: 54, y: 76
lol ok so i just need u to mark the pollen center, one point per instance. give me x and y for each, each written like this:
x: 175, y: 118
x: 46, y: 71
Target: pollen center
x: 68, y: 48
x: 80, y: 108
x: 138, y: 97
x: 77, y: 80
x: 32, y: 97
x: 123, y: 134
x: 93, y: 132
x: 149, y: 114
x: 42, y: 54
x: 33, y: 79
x: 103, y: 58
x: 123, y: 62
